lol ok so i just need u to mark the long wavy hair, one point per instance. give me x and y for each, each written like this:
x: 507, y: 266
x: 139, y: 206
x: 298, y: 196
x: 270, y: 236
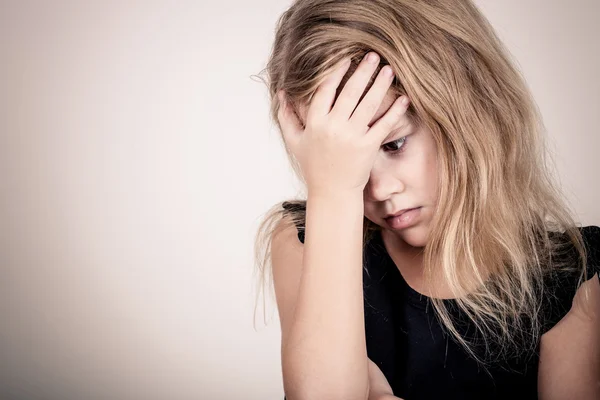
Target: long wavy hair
x: 498, y: 203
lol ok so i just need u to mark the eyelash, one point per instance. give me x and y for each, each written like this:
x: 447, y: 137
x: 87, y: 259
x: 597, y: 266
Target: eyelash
x: 401, y: 149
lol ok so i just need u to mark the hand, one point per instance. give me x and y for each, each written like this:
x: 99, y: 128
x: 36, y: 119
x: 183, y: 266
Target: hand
x: 337, y: 149
x: 379, y: 388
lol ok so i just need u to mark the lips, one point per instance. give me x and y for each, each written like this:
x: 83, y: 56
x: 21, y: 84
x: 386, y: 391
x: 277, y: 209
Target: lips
x: 400, y: 212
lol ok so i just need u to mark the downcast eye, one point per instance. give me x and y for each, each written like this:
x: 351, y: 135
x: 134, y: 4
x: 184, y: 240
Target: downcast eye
x: 396, y: 145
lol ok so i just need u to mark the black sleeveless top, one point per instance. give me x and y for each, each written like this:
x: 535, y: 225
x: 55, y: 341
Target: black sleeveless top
x: 421, y: 361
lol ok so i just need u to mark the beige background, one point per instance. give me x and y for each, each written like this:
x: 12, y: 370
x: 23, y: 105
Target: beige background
x: 136, y: 157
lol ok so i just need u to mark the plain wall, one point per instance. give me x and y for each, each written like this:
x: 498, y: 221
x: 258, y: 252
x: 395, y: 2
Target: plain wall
x: 137, y: 158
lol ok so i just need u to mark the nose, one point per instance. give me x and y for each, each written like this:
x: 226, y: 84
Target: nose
x: 382, y: 185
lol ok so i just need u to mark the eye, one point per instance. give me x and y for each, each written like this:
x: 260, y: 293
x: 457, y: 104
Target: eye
x: 396, y: 146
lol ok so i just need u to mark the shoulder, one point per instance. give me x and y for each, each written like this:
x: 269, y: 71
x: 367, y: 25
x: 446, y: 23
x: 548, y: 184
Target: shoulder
x: 591, y: 232
x: 570, y: 351
x: 562, y: 285
x: 295, y: 213
x: 287, y: 254
x: 287, y: 236
x: 585, y: 304
x: 287, y: 239
x: 591, y: 238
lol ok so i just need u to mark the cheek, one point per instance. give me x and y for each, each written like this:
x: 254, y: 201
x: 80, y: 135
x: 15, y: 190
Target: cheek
x: 413, y: 169
x: 429, y: 163
x: 369, y: 210
x: 432, y: 177
x: 430, y: 169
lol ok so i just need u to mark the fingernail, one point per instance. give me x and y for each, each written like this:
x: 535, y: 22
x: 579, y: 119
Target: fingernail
x: 404, y: 100
x: 388, y: 71
x: 372, y: 58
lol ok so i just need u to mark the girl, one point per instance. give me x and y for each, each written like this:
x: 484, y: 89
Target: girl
x: 434, y: 256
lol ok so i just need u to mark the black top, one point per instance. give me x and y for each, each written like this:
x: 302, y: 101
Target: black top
x: 416, y: 355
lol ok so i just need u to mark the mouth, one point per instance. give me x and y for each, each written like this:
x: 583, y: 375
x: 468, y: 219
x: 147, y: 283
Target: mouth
x: 399, y: 213
x: 404, y: 218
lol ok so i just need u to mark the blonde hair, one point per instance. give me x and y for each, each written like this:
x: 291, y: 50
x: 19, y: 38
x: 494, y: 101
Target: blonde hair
x: 498, y: 203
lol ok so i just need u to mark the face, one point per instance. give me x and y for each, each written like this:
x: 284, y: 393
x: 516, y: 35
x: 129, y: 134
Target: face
x: 404, y: 176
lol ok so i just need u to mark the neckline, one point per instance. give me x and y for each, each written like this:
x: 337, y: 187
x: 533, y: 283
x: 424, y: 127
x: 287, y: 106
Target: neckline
x: 414, y: 297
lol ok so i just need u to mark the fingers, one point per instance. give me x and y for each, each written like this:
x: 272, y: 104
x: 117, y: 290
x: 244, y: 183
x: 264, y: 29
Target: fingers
x: 389, y: 121
x: 345, y: 105
x: 372, y: 100
x: 289, y: 122
x: 355, y: 87
x: 324, y: 96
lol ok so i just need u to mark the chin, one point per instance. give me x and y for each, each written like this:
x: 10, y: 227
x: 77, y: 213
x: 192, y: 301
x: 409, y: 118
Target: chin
x: 415, y: 236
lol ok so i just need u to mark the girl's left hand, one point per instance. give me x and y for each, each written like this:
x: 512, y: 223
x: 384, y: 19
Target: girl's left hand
x: 379, y: 387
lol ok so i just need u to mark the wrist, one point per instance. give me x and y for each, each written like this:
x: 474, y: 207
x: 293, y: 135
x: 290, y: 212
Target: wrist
x: 335, y: 196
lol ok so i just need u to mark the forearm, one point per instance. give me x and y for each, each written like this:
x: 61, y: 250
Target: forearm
x: 325, y: 355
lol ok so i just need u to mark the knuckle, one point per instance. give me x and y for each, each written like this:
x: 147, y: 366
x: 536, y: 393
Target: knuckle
x: 394, y: 119
x: 399, y: 112
x: 370, y: 106
x: 387, y: 124
x: 327, y: 87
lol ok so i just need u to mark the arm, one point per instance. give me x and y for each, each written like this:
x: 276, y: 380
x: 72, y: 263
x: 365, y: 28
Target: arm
x: 569, y: 365
x: 319, y: 295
